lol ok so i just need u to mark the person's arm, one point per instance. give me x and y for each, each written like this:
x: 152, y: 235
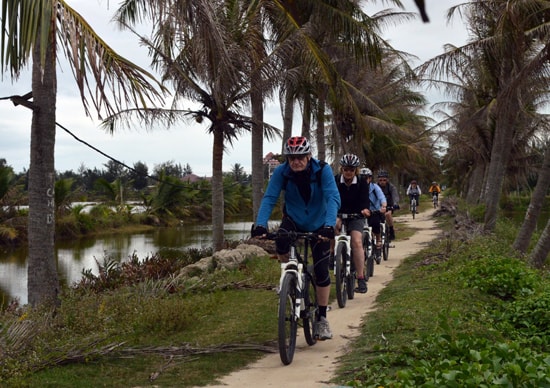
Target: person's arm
x: 419, y: 191
x: 409, y: 190
x: 270, y: 197
x: 365, y: 199
x: 381, y: 197
x: 332, y: 196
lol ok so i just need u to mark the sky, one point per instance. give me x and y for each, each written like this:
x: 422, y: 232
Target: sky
x: 184, y: 143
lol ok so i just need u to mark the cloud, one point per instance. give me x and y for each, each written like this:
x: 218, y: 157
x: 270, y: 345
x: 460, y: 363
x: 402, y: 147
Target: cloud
x: 184, y: 143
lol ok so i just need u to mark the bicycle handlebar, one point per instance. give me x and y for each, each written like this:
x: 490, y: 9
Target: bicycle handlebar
x: 294, y: 235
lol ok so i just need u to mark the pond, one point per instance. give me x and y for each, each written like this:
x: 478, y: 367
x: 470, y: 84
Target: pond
x: 77, y: 255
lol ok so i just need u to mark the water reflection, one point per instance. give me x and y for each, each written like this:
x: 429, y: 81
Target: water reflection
x: 76, y: 255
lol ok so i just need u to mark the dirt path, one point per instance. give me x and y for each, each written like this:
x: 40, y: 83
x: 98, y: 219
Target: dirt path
x: 313, y: 366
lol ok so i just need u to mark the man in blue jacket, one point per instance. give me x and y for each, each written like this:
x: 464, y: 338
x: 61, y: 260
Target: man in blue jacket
x: 311, y: 203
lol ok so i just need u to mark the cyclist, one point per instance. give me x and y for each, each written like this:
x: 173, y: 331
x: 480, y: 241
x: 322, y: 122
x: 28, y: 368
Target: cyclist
x: 310, y: 205
x: 413, y: 191
x: 354, y: 196
x: 377, y: 208
x: 392, y: 198
x: 434, y: 189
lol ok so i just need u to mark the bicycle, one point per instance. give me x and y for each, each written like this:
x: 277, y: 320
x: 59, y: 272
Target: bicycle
x: 385, y: 239
x: 343, y: 266
x: 369, y: 246
x: 435, y: 199
x: 297, y: 294
x: 413, y: 206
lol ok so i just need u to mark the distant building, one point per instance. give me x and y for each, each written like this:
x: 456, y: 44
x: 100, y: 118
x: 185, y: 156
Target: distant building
x: 271, y: 161
x: 192, y: 178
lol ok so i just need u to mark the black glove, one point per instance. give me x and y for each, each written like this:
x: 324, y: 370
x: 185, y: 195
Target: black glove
x: 396, y: 207
x: 258, y: 231
x: 327, y: 232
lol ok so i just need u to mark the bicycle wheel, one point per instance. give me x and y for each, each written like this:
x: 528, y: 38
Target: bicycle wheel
x: 369, y: 257
x: 340, y: 269
x: 309, y: 312
x: 350, y: 279
x: 413, y: 208
x: 288, y: 323
x: 385, y: 244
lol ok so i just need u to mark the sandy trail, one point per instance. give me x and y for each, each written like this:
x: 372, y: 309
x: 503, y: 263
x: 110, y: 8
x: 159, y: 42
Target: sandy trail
x: 313, y: 366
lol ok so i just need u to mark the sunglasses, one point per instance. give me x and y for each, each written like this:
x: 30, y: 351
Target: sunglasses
x: 382, y: 179
x: 348, y: 169
x: 296, y: 157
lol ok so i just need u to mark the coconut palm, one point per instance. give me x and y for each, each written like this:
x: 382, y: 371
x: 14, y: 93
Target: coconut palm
x: 513, y: 38
x: 32, y: 32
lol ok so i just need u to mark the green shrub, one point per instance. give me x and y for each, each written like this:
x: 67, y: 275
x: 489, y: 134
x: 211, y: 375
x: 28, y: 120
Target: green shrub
x: 503, y: 277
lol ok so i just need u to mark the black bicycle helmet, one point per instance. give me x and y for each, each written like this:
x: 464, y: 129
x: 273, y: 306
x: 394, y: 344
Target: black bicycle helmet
x: 349, y: 160
x: 383, y: 174
x: 297, y: 145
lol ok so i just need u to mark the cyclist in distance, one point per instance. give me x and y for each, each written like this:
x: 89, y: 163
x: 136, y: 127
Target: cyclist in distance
x: 354, y: 195
x: 377, y: 208
x: 413, y: 191
x: 311, y: 203
x: 392, y: 198
x: 434, y: 189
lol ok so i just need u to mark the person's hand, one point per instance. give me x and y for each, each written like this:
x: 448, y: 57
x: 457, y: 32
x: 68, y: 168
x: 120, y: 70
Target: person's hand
x: 258, y: 231
x: 327, y: 232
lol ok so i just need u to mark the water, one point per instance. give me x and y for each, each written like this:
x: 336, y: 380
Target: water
x: 77, y: 255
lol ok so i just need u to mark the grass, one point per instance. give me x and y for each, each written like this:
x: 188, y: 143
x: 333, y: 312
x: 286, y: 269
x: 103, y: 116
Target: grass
x: 450, y: 312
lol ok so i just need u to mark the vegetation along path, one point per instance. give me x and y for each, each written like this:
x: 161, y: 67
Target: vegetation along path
x: 314, y: 366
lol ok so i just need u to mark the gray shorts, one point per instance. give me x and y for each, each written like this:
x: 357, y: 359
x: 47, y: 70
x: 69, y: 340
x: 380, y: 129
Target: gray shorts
x: 355, y: 224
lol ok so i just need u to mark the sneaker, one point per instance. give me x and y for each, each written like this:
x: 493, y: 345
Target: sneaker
x: 378, y: 256
x: 361, y: 286
x: 321, y: 329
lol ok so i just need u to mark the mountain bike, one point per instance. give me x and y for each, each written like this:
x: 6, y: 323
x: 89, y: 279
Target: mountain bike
x: 385, y: 239
x: 413, y: 206
x: 435, y: 199
x: 369, y: 246
x: 297, y: 294
x: 343, y: 265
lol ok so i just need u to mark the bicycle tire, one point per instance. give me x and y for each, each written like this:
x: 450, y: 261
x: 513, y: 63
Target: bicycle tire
x: 340, y: 273
x: 287, y: 322
x: 413, y: 208
x: 385, y: 245
x: 369, y: 257
x: 309, y: 313
x: 350, y: 283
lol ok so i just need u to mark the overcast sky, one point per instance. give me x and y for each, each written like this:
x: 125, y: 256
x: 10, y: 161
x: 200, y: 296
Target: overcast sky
x: 183, y: 144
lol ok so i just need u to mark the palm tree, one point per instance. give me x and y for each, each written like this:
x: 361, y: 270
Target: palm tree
x: 32, y: 31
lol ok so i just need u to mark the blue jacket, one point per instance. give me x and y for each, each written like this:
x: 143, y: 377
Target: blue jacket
x: 376, y: 196
x: 323, y: 205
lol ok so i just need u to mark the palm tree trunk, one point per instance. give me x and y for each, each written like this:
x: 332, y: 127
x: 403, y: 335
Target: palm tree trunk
x: 535, y: 206
x: 42, y: 277
x: 256, y: 102
x: 541, y: 250
x: 288, y: 117
x: 217, y: 190
x: 320, y: 131
x: 508, y: 106
x: 306, y: 117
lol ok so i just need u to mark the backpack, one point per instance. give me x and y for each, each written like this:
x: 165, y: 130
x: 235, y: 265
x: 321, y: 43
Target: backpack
x: 318, y: 175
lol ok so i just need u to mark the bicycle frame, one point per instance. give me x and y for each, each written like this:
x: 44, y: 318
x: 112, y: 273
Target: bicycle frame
x: 344, y: 277
x: 296, y: 299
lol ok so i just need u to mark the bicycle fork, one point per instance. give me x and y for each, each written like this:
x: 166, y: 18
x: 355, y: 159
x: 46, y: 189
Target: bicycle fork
x: 297, y: 270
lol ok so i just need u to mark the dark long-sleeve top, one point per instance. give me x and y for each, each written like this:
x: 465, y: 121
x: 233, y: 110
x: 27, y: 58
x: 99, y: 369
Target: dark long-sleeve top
x: 355, y: 197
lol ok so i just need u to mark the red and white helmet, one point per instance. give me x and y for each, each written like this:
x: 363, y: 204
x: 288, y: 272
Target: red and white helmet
x: 297, y: 145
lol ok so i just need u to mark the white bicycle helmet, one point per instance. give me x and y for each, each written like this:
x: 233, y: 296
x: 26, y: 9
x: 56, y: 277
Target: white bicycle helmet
x: 366, y: 171
x: 349, y: 160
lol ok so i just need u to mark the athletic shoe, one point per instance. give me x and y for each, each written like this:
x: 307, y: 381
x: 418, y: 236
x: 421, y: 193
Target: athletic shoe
x: 361, y: 286
x: 321, y: 329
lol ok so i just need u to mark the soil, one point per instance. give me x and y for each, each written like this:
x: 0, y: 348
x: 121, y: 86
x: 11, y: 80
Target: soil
x: 314, y: 366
